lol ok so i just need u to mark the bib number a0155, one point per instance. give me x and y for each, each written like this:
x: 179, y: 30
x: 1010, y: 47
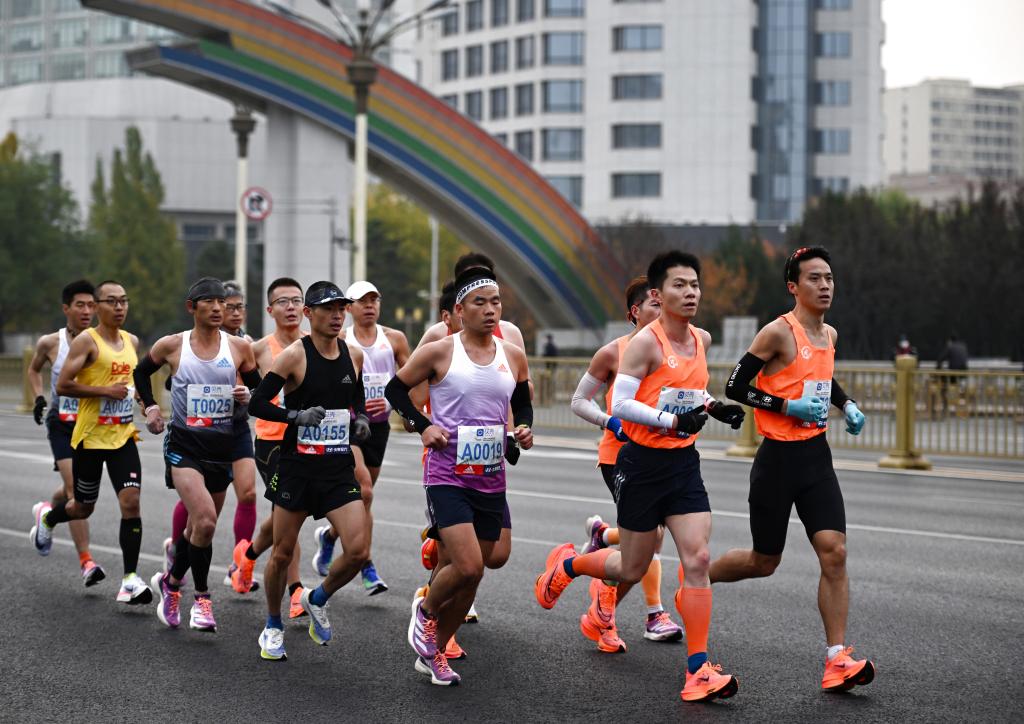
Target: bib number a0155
x: 822, y: 389
x: 678, y: 401
x: 117, y: 412
x: 330, y: 437
x: 67, y: 409
x: 209, y: 405
x: 480, y: 449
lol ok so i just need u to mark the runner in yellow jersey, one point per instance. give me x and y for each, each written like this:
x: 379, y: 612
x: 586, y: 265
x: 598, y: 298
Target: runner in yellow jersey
x: 98, y: 371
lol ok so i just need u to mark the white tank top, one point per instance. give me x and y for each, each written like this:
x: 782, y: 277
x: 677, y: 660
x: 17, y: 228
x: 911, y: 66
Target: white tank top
x: 378, y: 367
x: 66, y: 407
x: 472, y: 394
x: 201, y: 400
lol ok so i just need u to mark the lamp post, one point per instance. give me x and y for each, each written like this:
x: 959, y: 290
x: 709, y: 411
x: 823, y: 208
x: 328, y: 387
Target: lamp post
x: 365, y: 40
x: 243, y: 124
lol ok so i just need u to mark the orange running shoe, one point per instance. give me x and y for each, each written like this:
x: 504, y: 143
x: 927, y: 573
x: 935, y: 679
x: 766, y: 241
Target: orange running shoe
x: 428, y: 555
x: 241, y: 577
x: 843, y: 672
x: 598, y: 623
x: 452, y: 650
x: 554, y: 579
x: 709, y: 683
x: 422, y: 591
x: 296, y: 610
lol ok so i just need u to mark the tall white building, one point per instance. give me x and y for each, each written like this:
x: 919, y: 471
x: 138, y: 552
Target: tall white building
x: 683, y: 111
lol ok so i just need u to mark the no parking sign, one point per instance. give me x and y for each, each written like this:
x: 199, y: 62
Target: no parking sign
x: 256, y: 203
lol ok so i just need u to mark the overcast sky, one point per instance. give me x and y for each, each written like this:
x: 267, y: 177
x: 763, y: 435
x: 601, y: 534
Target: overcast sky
x: 980, y: 40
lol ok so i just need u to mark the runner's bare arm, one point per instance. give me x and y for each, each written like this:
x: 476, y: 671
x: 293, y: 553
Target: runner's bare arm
x: 42, y: 355
x: 83, y: 352
x: 422, y: 366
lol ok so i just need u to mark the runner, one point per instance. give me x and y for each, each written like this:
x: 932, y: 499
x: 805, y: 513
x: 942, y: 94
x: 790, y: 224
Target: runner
x: 320, y: 376
x: 385, y: 350
x: 641, y: 310
x: 98, y: 370
x: 793, y: 358
x: 284, y: 298
x: 473, y: 379
x: 660, y: 394
x: 201, y: 441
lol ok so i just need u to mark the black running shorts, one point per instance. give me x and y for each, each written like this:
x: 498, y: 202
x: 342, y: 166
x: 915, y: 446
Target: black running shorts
x: 652, y: 484
x: 123, y: 468
x: 608, y: 475
x: 268, y: 457
x: 788, y: 473
x: 59, y: 435
x: 374, y: 446
x: 217, y: 475
x: 316, y: 496
x: 449, y: 505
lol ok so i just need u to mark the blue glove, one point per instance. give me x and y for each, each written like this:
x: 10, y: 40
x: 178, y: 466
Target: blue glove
x: 854, y: 418
x: 808, y: 409
x: 614, y: 425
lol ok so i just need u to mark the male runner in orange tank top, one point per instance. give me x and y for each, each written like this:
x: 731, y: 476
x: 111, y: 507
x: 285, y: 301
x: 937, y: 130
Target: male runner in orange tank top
x: 793, y: 359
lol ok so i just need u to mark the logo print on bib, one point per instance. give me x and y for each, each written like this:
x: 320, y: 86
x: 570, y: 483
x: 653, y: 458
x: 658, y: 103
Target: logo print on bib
x: 805, y: 352
x: 671, y: 361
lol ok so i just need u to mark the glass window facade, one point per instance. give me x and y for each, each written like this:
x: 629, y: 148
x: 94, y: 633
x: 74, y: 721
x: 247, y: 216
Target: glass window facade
x: 499, y: 103
x: 499, y: 13
x: 474, y: 61
x: 524, y: 144
x: 564, y: 8
x: 571, y: 187
x: 563, y: 48
x: 475, y: 105
x: 832, y: 141
x: 561, y: 144
x: 70, y: 33
x: 25, y: 8
x: 499, y: 56
x: 832, y: 45
x: 525, y: 52
x: 450, y: 22
x: 647, y: 86
x: 524, y: 99
x: 474, y: 15
x: 449, y: 64
x: 636, y: 135
x: 526, y: 10
x: 636, y: 37
x: 636, y: 185
x: 25, y: 37
x: 832, y: 93
x: 562, y: 96
x: 67, y: 66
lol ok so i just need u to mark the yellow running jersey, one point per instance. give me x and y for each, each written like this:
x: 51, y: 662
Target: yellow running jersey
x: 104, y: 423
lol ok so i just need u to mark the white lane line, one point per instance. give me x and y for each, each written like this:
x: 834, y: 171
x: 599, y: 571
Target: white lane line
x: 979, y: 501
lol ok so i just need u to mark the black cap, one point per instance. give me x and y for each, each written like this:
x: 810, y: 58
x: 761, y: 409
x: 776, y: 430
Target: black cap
x: 323, y: 293
x: 206, y: 288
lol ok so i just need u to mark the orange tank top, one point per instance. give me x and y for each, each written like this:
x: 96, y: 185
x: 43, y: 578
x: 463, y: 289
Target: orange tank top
x: 265, y: 429
x: 677, y: 386
x: 608, y: 448
x: 810, y: 373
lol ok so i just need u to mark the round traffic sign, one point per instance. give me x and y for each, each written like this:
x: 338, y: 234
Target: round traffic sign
x: 256, y: 203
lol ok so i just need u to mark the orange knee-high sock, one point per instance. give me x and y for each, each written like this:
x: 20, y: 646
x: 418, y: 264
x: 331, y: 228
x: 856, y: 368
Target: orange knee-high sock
x: 652, y: 584
x: 591, y: 564
x: 84, y: 557
x: 611, y: 536
x: 695, y: 607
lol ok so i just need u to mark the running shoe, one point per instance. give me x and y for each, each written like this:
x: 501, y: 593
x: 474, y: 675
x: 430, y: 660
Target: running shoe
x: 134, y: 591
x: 598, y: 623
x: 373, y: 583
x: 92, y: 573
x: 295, y: 609
x: 422, y: 631
x: 438, y: 669
x: 168, y: 608
x: 709, y: 683
x: 201, y: 616
x: 843, y: 672
x: 324, y: 550
x: 272, y: 645
x: 241, y: 578
x: 428, y: 554
x: 319, y: 623
x: 452, y: 650
x: 661, y: 627
x: 550, y: 584
x: 595, y: 528
x: 471, y: 615
x: 41, y: 534
x: 422, y: 591
x: 229, y: 579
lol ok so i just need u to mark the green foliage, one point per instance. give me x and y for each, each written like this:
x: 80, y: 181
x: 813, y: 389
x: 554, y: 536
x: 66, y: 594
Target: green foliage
x: 761, y: 264
x: 40, y: 241
x: 134, y: 242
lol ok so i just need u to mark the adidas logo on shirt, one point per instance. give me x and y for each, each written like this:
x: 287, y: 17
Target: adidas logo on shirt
x: 224, y: 362
x: 346, y: 380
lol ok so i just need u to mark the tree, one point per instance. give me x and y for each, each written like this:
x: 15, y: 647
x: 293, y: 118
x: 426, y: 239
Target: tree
x: 40, y: 240
x: 761, y: 264
x: 135, y: 242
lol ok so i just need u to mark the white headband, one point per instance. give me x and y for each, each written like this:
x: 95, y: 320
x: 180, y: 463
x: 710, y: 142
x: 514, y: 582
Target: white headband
x: 475, y: 284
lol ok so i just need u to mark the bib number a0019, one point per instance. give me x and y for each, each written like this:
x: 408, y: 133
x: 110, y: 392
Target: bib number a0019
x: 822, y: 389
x: 677, y: 401
x: 117, y: 412
x: 330, y: 437
x: 480, y: 449
x: 67, y: 409
x: 209, y: 405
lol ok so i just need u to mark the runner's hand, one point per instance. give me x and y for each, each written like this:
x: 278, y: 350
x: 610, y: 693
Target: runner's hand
x: 512, y: 450
x: 614, y: 425
x: 854, y: 418
x: 311, y: 417
x: 691, y: 422
x: 731, y: 415
x: 524, y: 436
x: 118, y: 391
x: 808, y: 409
x: 360, y: 429
x: 37, y: 411
x: 242, y: 394
x: 155, y: 420
x: 376, y: 406
x: 434, y: 437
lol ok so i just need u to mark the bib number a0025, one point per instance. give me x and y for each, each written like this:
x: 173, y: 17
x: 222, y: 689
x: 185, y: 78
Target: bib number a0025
x: 67, y: 409
x: 677, y: 401
x: 209, y: 405
x: 117, y: 412
x: 330, y: 437
x: 480, y: 449
x: 822, y: 389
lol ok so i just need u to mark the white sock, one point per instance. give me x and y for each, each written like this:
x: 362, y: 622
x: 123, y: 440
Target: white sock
x: 604, y: 536
x: 654, y: 609
x: 656, y: 557
x: 831, y: 651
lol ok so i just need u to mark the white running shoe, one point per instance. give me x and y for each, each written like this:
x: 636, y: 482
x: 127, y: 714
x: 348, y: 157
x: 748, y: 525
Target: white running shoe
x: 319, y: 623
x: 41, y: 534
x: 201, y: 616
x: 272, y: 644
x: 134, y: 591
x: 471, y: 615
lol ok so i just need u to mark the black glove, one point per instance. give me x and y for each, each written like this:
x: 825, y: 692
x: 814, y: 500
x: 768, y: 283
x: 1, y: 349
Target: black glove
x: 512, y: 450
x: 37, y: 411
x: 311, y: 417
x: 731, y: 415
x: 691, y: 422
x: 360, y: 429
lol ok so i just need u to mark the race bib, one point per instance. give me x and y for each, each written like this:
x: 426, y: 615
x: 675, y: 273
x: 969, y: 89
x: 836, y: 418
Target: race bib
x: 374, y: 384
x: 479, y: 450
x: 67, y: 409
x: 330, y: 437
x: 817, y: 388
x: 209, y: 405
x: 677, y: 401
x: 117, y: 412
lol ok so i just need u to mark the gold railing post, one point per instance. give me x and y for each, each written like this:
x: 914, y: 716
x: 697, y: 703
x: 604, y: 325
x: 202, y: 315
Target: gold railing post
x: 904, y: 455
x: 746, y: 444
x: 28, y: 398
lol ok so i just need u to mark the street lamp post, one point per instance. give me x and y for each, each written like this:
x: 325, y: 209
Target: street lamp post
x: 243, y: 124
x: 365, y: 40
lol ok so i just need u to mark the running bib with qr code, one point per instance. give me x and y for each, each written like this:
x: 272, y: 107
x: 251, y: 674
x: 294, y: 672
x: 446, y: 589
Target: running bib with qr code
x: 823, y: 390
x: 67, y: 409
x: 117, y: 412
x: 330, y: 437
x: 479, y: 449
x: 209, y: 405
x: 677, y: 401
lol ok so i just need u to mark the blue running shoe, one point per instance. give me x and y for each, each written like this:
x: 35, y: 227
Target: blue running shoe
x: 272, y: 644
x: 319, y: 623
x: 371, y: 581
x: 324, y: 550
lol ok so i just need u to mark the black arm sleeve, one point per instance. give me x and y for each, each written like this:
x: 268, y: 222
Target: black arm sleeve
x: 839, y: 397
x: 261, y: 406
x: 251, y: 379
x: 143, y: 384
x: 738, y: 387
x: 397, y: 393
x: 522, y: 408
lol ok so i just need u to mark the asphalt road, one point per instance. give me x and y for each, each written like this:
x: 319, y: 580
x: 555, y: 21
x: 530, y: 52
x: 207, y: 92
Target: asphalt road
x: 936, y: 565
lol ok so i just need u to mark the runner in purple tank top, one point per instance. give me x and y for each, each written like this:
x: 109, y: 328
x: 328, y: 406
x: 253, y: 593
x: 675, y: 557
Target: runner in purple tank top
x: 473, y: 378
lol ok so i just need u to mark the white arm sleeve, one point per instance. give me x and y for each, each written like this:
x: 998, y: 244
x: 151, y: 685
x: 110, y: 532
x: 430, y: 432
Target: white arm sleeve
x: 583, y: 401
x: 626, y: 407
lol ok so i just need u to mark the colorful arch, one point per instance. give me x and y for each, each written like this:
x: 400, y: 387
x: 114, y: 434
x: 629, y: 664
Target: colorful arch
x: 543, y: 246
